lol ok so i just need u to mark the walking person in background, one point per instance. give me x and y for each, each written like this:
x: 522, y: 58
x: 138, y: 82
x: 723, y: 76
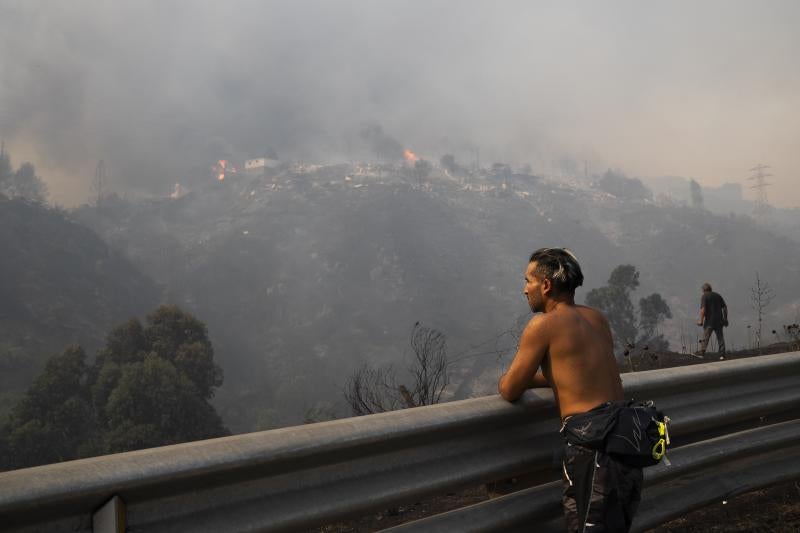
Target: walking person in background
x: 713, y: 317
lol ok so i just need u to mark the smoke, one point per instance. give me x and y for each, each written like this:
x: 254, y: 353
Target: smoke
x: 161, y: 89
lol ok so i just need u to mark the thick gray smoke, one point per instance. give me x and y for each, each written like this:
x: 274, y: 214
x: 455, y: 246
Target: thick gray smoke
x: 161, y: 89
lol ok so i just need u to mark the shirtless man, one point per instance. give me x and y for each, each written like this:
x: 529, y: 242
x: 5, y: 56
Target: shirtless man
x: 569, y: 348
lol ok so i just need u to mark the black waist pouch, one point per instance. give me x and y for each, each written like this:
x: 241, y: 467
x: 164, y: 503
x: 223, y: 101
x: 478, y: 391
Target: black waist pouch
x: 635, y: 433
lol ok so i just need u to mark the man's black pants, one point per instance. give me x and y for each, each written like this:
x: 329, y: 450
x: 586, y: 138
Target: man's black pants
x: 600, y: 493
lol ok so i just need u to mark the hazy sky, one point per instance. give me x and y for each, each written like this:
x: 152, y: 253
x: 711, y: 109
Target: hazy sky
x: 158, y: 89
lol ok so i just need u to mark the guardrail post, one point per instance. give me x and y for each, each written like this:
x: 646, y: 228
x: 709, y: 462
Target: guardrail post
x: 110, y: 518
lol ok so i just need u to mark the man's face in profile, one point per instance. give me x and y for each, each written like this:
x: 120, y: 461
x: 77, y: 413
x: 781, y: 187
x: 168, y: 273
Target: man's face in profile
x: 533, y: 289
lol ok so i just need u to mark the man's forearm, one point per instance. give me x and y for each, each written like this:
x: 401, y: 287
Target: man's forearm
x: 511, y: 392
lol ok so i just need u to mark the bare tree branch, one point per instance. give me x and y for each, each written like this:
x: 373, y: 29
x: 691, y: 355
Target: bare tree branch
x: 376, y: 390
x: 761, y: 295
x: 371, y: 390
x: 429, y: 368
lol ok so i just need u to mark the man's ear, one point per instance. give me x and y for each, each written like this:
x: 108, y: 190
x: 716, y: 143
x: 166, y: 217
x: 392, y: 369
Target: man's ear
x: 547, y: 286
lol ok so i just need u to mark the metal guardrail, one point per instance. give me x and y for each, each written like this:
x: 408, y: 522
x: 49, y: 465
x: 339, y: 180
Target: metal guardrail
x: 700, y: 473
x: 293, y: 479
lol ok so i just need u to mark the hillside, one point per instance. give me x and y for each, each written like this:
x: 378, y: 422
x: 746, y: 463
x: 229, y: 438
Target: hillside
x: 59, y: 284
x: 305, y: 274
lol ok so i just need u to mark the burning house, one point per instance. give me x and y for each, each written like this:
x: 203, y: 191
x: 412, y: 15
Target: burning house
x: 223, y: 169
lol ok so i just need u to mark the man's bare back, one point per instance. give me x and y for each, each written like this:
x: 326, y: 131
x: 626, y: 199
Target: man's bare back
x: 580, y: 364
x: 573, y: 347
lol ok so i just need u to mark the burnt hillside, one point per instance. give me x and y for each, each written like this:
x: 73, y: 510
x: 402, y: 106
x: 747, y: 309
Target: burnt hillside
x: 304, y: 274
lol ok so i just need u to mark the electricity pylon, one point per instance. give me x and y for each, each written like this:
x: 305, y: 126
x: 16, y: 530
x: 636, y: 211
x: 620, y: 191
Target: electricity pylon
x: 99, y: 182
x: 760, y: 185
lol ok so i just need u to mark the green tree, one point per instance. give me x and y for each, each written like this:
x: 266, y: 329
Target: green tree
x: 154, y: 404
x: 652, y: 311
x: 54, y: 420
x: 149, y: 386
x: 28, y: 185
x: 24, y: 183
x: 614, y: 300
x: 180, y: 338
x: 126, y: 343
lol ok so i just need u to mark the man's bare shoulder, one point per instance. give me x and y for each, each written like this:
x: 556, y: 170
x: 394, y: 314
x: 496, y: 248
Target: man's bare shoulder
x: 536, y: 323
x: 591, y: 312
x: 538, y: 327
x: 569, y: 313
x: 594, y: 317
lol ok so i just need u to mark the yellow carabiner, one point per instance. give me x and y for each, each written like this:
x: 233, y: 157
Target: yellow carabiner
x: 659, y: 448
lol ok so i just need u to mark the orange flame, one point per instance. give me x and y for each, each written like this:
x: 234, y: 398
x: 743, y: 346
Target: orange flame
x: 221, y: 164
x: 410, y: 156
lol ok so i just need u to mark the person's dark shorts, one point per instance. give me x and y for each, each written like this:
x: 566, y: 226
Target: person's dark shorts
x: 600, y: 493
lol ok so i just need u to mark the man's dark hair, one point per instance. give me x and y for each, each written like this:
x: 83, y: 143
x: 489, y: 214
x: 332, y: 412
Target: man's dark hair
x: 560, y: 266
x: 706, y: 287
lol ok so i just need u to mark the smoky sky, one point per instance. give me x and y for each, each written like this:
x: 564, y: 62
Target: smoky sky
x: 159, y: 89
